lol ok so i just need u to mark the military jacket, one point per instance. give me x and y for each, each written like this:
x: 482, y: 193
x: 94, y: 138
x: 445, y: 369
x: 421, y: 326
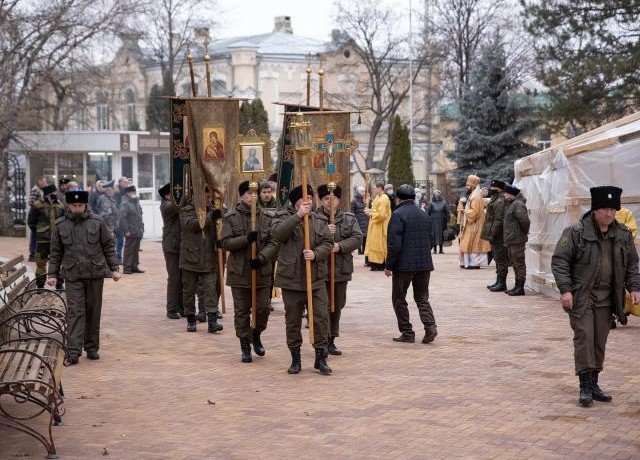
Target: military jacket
x: 81, y: 248
x: 492, y: 230
x: 289, y: 232
x: 576, y: 256
x: 170, y: 226
x: 197, y: 247
x: 235, y: 227
x: 130, y: 214
x: 273, y: 204
x: 516, y: 222
x: 348, y: 236
x: 43, y: 215
x: 108, y: 210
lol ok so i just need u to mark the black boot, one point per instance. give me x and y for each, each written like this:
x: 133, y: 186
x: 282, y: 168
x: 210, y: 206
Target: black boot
x: 296, y: 364
x: 214, y: 326
x: 333, y: 350
x: 597, y: 393
x: 245, y: 346
x: 430, y: 333
x: 518, y: 289
x: 501, y: 284
x: 494, y: 284
x: 191, y: 323
x: 257, y: 343
x: 586, y: 395
x: 321, y: 362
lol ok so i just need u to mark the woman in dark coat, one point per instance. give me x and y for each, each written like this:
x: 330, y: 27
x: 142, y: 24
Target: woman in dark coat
x: 439, y: 211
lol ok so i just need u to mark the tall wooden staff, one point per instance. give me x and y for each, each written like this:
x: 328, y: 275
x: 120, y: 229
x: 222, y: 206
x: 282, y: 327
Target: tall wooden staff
x: 301, y: 133
x: 308, y: 79
x: 253, y: 187
x: 217, y: 203
x: 331, y: 186
x: 367, y: 185
x: 207, y: 58
x: 194, y: 92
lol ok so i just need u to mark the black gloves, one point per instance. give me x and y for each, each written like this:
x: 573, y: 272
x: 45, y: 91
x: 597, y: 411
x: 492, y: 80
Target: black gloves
x: 252, y: 236
x: 256, y: 263
x: 216, y: 214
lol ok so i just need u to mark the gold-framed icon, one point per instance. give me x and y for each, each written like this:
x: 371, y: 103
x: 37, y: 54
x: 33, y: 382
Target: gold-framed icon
x: 253, y: 155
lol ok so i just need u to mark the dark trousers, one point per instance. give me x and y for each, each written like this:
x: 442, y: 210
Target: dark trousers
x: 364, y: 244
x: 420, y: 282
x: 501, y: 257
x: 295, y: 303
x: 242, y: 310
x: 32, y: 243
x: 131, y: 250
x: 340, y: 297
x: 84, y: 303
x: 119, y: 243
x: 516, y: 260
x: 174, y: 282
x: 207, y: 282
x: 43, y: 248
x: 590, y: 334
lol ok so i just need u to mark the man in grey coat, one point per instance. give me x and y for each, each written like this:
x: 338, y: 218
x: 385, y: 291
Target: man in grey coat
x: 131, y: 224
x: 107, y: 207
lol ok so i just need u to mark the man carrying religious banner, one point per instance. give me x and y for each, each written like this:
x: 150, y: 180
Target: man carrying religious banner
x: 347, y: 237
x: 237, y: 238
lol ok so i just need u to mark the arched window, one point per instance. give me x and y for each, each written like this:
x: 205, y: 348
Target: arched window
x: 132, y: 119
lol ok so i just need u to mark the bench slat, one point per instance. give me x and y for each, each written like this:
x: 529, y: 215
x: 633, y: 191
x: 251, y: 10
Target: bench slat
x: 17, y: 289
x: 9, y: 264
x: 13, y: 276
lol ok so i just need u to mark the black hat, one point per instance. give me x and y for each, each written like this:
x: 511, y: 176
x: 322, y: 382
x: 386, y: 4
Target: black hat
x: 64, y: 181
x: 406, y: 192
x: 511, y: 189
x: 130, y: 188
x: 110, y: 184
x: 497, y: 183
x: 296, y: 193
x: 323, y: 191
x: 49, y: 189
x: 273, y: 177
x: 164, y: 190
x: 77, y: 196
x: 264, y: 184
x: 605, y: 196
x: 243, y: 187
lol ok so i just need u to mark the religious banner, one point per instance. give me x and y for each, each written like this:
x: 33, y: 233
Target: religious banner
x: 213, y: 126
x: 253, y: 160
x: 179, y: 153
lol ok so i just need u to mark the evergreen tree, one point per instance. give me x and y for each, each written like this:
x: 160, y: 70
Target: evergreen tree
x: 158, y: 108
x: 493, y: 120
x: 587, y: 53
x: 254, y: 116
x: 400, y: 169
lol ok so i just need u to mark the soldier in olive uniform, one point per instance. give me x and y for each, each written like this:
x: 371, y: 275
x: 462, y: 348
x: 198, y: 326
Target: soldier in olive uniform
x: 237, y: 239
x: 42, y: 216
x: 492, y: 231
x: 130, y: 214
x: 198, y: 264
x: 83, y: 253
x: 107, y: 208
x: 595, y: 259
x: 291, y: 276
x: 515, y: 234
x: 171, y: 250
x: 347, y: 238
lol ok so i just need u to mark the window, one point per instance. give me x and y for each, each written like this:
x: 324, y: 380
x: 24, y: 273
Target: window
x: 161, y: 171
x: 82, y: 118
x: 102, y: 111
x: 132, y: 121
x: 71, y: 165
x: 126, y: 164
x: 145, y: 170
x: 98, y: 166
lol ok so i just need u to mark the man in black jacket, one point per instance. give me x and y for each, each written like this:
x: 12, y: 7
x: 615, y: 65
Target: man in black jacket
x: 409, y: 261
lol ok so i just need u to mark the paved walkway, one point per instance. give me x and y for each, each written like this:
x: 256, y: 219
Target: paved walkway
x: 497, y: 383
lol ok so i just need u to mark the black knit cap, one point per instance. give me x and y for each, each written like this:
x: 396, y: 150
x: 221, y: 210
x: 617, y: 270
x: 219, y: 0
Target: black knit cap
x: 164, y: 190
x: 511, y: 189
x: 76, y: 196
x: 323, y: 190
x: 296, y: 193
x: 130, y: 188
x: 405, y: 192
x: 49, y: 189
x: 64, y: 181
x: 605, y: 196
x: 243, y: 187
x: 498, y: 183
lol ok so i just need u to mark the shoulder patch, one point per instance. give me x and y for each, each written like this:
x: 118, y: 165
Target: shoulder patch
x: 564, y: 241
x: 60, y: 219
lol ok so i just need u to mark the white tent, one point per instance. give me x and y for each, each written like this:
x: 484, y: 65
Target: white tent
x: 556, y: 184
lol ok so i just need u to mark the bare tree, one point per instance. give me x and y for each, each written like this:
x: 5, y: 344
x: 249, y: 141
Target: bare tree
x: 373, y: 31
x: 37, y: 37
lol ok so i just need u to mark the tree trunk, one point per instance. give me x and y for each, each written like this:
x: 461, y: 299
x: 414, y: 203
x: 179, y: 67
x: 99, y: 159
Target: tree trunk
x: 371, y: 147
x: 6, y: 216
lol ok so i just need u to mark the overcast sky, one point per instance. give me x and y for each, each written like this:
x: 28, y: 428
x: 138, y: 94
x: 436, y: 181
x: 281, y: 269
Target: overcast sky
x: 309, y: 18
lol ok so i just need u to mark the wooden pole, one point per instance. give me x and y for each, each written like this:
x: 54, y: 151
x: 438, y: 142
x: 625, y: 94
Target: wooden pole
x: 218, y: 205
x: 207, y: 58
x: 307, y: 245
x: 331, y: 186
x: 308, y: 80
x: 321, y: 96
x: 253, y: 187
x: 194, y: 91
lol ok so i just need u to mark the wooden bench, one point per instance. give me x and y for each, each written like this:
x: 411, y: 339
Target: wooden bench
x: 33, y: 338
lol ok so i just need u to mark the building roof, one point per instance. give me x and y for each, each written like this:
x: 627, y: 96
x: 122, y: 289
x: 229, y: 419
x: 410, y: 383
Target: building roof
x: 270, y: 43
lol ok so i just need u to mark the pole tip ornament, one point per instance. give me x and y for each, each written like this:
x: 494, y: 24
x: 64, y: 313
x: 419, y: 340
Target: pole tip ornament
x: 253, y: 186
x: 207, y: 58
